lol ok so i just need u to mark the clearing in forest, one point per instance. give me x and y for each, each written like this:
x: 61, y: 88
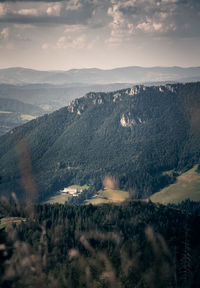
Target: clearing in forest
x: 186, y: 186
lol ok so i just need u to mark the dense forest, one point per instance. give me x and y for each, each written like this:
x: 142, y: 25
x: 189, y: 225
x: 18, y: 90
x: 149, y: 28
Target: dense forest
x: 136, y: 244
x: 134, y: 135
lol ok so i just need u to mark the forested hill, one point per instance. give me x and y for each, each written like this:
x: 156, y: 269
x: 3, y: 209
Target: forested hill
x: 134, y: 135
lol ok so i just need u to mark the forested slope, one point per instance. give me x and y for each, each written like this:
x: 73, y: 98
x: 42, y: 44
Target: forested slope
x: 133, y: 135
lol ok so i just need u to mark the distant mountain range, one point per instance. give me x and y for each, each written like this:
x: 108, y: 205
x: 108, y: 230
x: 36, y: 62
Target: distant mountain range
x: 134, y: 135
x: 90, y: 76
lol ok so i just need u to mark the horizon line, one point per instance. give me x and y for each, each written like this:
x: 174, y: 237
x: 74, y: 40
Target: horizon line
x: 96, y: 68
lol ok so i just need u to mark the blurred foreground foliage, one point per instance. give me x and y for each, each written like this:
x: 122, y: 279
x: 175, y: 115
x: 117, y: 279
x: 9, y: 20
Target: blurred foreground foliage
x: 136, y: 244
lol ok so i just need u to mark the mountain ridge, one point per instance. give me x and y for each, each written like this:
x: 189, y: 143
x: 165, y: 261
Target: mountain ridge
x: 132, y: 135
x: 47, y: 97
x: 129, y: 74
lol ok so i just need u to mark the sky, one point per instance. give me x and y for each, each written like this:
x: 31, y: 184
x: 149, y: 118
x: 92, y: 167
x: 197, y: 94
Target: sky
x: 62, y: 35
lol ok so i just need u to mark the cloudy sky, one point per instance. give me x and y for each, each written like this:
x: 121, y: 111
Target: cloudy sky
x: 50, y: 35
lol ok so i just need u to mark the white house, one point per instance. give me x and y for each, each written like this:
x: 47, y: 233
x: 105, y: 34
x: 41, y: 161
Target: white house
x: 71, y: 191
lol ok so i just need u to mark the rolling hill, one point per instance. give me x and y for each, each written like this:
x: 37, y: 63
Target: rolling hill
x: 132, y: 74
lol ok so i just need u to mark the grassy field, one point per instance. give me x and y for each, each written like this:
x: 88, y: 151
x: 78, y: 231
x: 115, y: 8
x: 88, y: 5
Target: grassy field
x: 5, y: 112
x: 60, y: 198
x: 186, y: 186
x: 24, y: 117
x: 4, y: 222
x: 27, y: 117
x: 108, y: 196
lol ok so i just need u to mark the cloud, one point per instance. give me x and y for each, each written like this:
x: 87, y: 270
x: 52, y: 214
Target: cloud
x: 5, y: 33
x: 149, y: 26
x: 11, y: 35
x: 157, y: 18
x: 22, y: 38
x: 28, y: 1
x: 71, y: 29
x: 121, y: 20
x: 73, y: 5
x: 120, y: 25
x: 55, y: 13
x: 54, y: 9
x: 170, y: 1
x: 80, y: 42
x: 63, y: 43
x: 2, y: 9
x: 66, y: 42
x: 28, y: 12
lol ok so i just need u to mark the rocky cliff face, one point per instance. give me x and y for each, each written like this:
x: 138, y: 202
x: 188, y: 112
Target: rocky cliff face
x: 128, y: 118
